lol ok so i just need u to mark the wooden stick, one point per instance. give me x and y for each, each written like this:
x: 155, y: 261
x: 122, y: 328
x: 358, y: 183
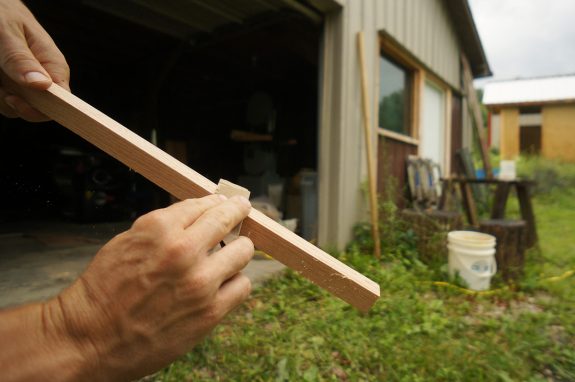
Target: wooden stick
x: 475, y: 109
x: 368, y: 144
x: 183, y: 182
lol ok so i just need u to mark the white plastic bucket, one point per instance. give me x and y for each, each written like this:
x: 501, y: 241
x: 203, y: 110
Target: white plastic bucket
x: 472, y: 256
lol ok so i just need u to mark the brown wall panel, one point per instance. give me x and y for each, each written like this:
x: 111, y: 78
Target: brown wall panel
x: 391, y: 176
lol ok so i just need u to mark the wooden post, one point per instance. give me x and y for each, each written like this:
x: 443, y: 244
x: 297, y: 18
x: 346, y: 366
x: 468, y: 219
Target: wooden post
x: 469, y: 204
x: 510, y: 245
x: 523, y: 194
x: 183, y: 182
x: 367, y: 129
x: 500, y: 200
x: 474, y: 108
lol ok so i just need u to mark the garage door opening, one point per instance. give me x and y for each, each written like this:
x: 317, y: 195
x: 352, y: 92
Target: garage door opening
x: 248, y: 113
x: 238, y: 102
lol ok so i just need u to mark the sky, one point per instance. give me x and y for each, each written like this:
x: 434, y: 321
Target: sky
x: 526, y: 38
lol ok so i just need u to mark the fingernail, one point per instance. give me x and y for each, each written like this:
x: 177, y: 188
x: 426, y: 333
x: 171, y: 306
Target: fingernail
x: 242, y: 200
x: 222, y: 197
x: 32, y: 77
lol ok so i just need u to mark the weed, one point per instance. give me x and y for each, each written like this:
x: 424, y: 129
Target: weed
x: 398, y: 240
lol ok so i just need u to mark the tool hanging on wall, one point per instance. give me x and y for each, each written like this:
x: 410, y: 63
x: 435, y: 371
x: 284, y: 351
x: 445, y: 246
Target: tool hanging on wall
x: 367, y: 128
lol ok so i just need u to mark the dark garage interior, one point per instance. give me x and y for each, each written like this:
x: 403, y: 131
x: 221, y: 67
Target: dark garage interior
x: 229, y: 89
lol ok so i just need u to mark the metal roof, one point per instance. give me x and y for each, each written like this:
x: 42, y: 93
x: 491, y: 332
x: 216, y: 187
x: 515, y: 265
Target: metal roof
x: 530, y: 91
x: 469, y: 37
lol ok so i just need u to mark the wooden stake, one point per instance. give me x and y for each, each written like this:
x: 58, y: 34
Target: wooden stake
x: 367, y: 128
x: 183, y: 182
x: 475, y: 109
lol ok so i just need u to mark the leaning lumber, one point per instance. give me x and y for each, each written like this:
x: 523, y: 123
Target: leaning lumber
x: 475, y: 110
x: 183, y: 182
x: 367, y: 131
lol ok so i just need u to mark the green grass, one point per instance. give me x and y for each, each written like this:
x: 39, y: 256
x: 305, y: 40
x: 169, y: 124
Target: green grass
x: 290, y: 330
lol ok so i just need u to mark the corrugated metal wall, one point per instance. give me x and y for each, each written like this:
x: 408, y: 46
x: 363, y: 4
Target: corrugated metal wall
x: 425, y: 30
x: 423, y: 27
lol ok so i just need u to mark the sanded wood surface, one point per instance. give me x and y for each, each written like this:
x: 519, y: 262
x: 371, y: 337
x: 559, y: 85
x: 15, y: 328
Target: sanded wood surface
x: 183, y: 182
x: 368, y: 129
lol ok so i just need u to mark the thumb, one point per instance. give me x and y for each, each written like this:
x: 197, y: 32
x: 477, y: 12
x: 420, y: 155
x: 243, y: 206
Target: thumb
x: 18, y: 63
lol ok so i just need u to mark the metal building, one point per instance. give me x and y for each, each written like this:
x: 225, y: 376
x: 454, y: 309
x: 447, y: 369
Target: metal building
x: 260, y: 92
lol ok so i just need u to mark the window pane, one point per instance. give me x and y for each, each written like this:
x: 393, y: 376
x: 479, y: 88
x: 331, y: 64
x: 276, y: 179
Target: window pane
x: 394, y: 97
x: 432, y: 133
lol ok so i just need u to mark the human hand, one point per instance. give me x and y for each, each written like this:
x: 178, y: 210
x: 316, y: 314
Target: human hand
x: 155, y: 291
x: 29, y: 57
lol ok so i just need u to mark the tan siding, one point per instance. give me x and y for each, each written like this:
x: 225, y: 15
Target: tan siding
x: 558, y: 132
x: 423, y: 27
x: 409, y: 32
x: 509, y: 133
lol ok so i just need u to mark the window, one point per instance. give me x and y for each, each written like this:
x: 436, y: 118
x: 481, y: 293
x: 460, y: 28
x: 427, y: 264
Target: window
x: 394, y: 97
x: 530, y: 140
x: 530, y: 121
x: 530, y: 110
x: 433, y: 123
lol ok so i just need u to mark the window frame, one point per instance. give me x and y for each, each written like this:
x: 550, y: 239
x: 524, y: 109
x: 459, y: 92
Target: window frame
x: 389, y: 49
x: 420, y: 75
x: 408, y: 98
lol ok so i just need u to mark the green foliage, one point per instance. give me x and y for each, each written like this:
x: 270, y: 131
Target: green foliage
x: 549, y: 175
x: 494, y: 156
x: 398, y: 240
x: 290, y: 330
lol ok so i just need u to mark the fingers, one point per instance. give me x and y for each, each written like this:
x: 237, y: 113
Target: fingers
x: 23, y: 109
x: 24, y: 47
x: 6, y: 109
x: 233, y: 293
x: 29, y: 57
x: 214, y: 224
x: 18, y: 62
x: 49, y: 56
x: 12, y: 106
x: 231, y: 259
x: 186, y: 212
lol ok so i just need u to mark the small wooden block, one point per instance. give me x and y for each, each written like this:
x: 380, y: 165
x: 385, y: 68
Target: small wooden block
x: 229, y: 189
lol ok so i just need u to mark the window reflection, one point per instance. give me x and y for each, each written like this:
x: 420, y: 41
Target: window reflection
x: 394, y: 97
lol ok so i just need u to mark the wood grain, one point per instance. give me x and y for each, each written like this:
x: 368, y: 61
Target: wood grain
x: 475, y: 110
x: 368, y: 133
x: 183, y: 182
